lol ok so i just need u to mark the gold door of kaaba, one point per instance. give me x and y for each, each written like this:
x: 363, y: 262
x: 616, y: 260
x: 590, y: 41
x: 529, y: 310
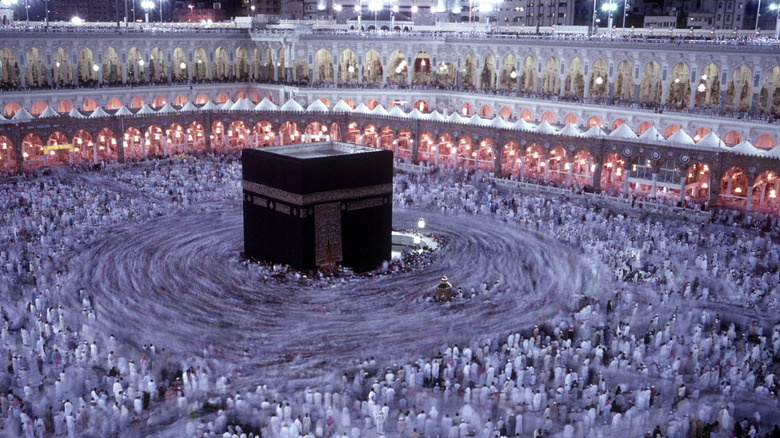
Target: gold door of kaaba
x: 327, y: 229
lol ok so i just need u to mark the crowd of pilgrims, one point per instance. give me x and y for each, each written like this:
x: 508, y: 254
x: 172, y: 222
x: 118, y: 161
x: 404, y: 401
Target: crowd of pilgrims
x: 682, y: 341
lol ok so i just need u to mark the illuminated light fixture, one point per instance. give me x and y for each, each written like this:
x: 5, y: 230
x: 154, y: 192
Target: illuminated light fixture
x: 701, y: 88
x: 77, y: 20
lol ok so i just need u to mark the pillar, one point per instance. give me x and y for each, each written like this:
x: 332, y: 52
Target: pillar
x: 595, y: 178
x: 522, y: 167
x: 225, y: 139
x: 654, y: 188
x: 207, y: 135
x: 682, y: 190
x: 571, y: 173
x: 76, y: 73
x: 545, y: 169
x: 749, y: 197
x: 143, y: 146
x: 626, y: 183
x: 289, y: 74
x: 94, y: 151
x: 120, y: 150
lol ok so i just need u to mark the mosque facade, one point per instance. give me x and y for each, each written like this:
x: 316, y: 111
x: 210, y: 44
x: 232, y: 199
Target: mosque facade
x: 689, y: 120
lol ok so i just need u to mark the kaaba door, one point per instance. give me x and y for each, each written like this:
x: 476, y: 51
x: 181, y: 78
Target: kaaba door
x: 327, y: 232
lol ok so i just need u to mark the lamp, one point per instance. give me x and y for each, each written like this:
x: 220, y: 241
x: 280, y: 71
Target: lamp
x: 147, y: 5
x: 421, y: 223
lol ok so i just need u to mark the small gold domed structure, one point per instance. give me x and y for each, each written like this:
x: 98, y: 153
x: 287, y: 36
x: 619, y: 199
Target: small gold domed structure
x: 444, y: 290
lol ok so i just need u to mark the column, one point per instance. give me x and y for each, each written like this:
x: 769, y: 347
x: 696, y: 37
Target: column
x: 749, y: 197
x: 522, y: 168
x: 94, y: 151
x: 545, y: 170
x: 571, y: 173
x: 76, y: 72
x: 23, y: 74
x: 458, y: 78
x: 682, y: 190
x: 595, y: 178
x: 123, y: 68
x: 120, y: 150
x: 143, y: 146
x: 654, y: 188
x: 207, y: 135
x: 626, y: 183
x: 289, y: 74
x: 165, y: 144
x: 225, y: 139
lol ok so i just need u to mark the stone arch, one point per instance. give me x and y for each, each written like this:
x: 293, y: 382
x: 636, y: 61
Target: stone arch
x: 175, y: 137
x: 264, y: 134
x: 769, y: 98
x: 348, y: 68
x: 323, y: 67
x: 314, y: 132
x: 551, y: 81
x: 35, y: 69
x: 641, y: 176
x: 289, y: 133
x: 179, y: 66
x: 61, y: 68
x: 267, y: 69
x: 708, y: 88
x: 679, y: 87
x: 505, y: 113
x: 159, y: 102
x: 487, y: 78
x: 89, y: 105
x: 526, y: 115
x: 558, y: 165
x: 9, y: 69
x: 136, y: 66
x: 466, y: 110
x: 599, y: 81
x: 83, y: 147
x: 106, y: 146
x: 37, y: 108
x: 510, y: 162
x: 221, y: 66
x: 113, y: 104
x: 7, y: 157
x: 445, y: 150
x: 485, y: 155
x: 583, y: 165
x: 447, y: 75
x: 238, y: 136
x: 221, y: 98
x: 650, y: 88
x: 370, y: 136
x: 301, y: 72
x: 240, y: 65
x: 466, y: 154
x: 732, y: 192
x: 65, y: 107
x: 137, y: 103
x: 387, y: 139
x: 112, y: 68
x: 398, y: 70
x: 765, y: 142
x: 154, y: 141
x: 697, y: 182
x: 765, y: 191
x: 732, y: 138
x: 405, y: 143
x: 87, y: 71
x: 131, y: 144
x: 670, y: 130
x: 624, y: 82
x: 616, y: 124
x: 574, y: 86
x: 739, y: 95
x: 643, y: 127
x: 528, y: 75
x: 613, y: 173
x: 422, y: 106
x: 570, y: 119
x: 32, y: 151
x: 255, y: 66
x: 200, y: 65
x: 533, y: 162
x: 11, y: 108
x: 485, y: 111
x: 700, y: 133
x: 371, y: 104
x: 158, y: 69
x: 549, y: 117
x: 507, y: 79
x: 421, y: 73
x: 57, y: 156
x: 469, y: 73
x: 180, y: 100
x: 372, y: 68
x: 426, y: 148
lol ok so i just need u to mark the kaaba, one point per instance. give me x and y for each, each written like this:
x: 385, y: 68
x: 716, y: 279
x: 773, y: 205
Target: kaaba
x: 316, y: 204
